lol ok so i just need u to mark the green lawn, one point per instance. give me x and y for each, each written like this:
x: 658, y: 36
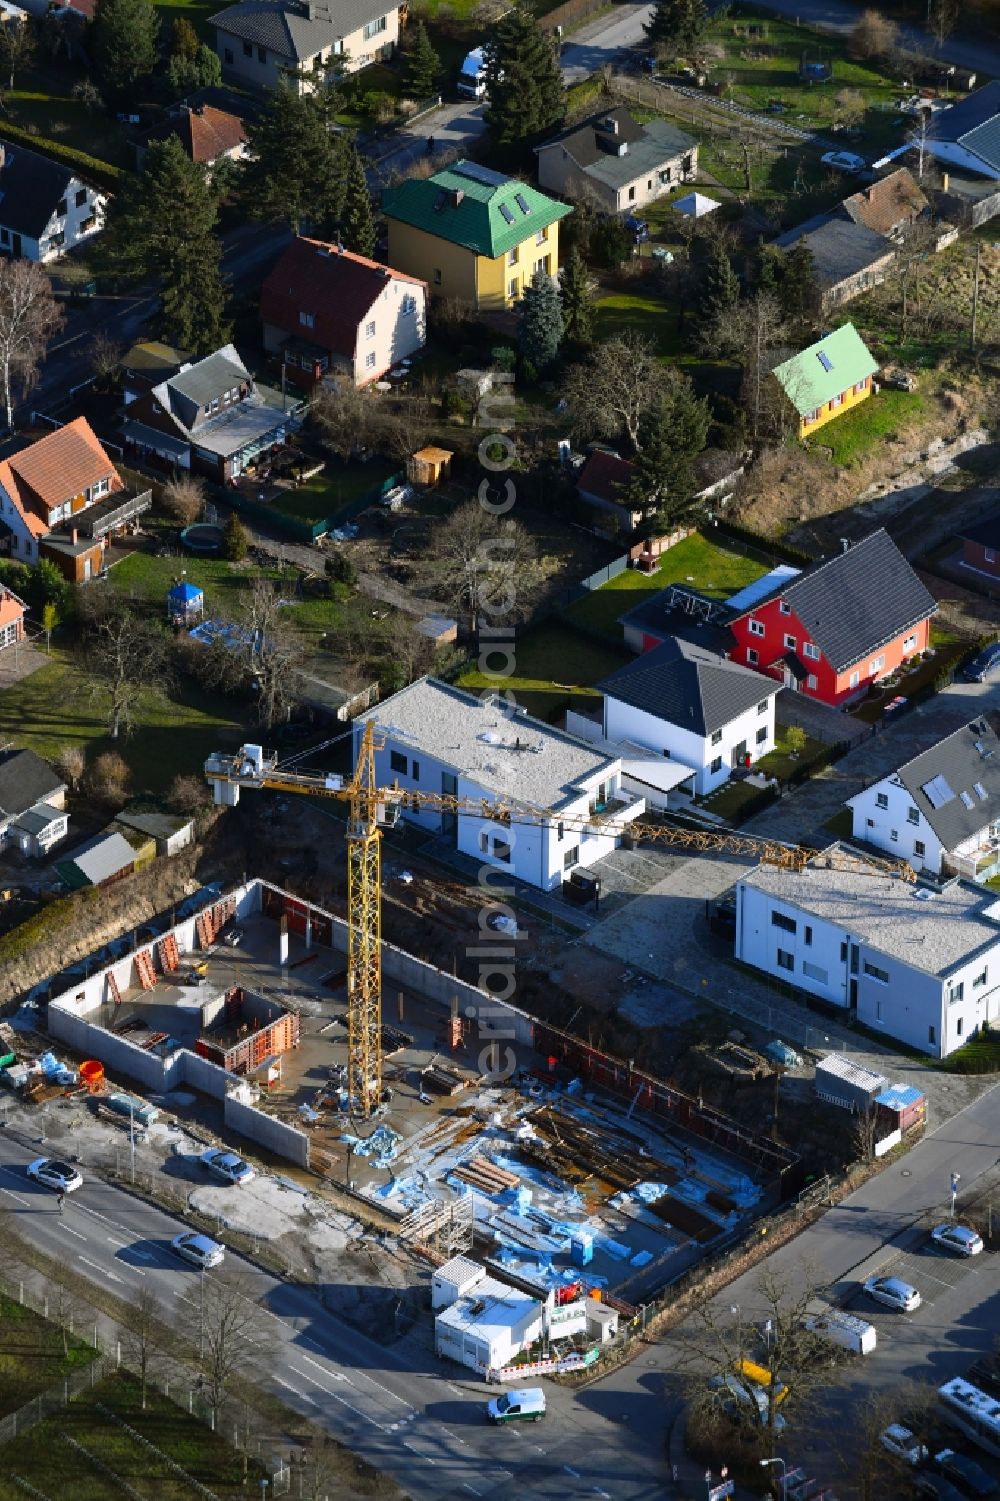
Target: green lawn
x: 45, y: 1460
x: 706, y: 567
x: 553, y: 665
x: 780, y: 762
x: 640, y: 313
x: 851, y: 436
x: 42, y: 102
x: 148, y: 578
x: 32, y: 1356
x: 336, y: 489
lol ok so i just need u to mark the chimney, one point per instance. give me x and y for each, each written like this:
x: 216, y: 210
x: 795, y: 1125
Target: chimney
x: 945, y: 179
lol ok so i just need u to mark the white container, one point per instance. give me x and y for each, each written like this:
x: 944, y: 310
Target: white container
x: 843, y: 1329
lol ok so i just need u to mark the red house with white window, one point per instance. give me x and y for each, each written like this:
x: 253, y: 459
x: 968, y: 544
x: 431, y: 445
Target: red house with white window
x: 839, y: 626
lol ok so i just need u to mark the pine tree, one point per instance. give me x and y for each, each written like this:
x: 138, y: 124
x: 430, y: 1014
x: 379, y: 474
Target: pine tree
x: 663, y: 482
x: 540, y: 322
x: 296, y: 166
x: 357, y: 221
x: 524, y: 89
x: 161, y: 225
x: 124, y: 42
x: 577, y: 298
x: 423, y: 66
x: 798, y: 289
x: 234, y: 540
x: 719, y: 291
x: 677, y: 25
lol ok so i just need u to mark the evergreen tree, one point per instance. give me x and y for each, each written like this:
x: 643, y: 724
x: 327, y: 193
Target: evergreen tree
x: 123, y: 34
x: 663, y: 482
x: 677, y: 25
x: 540, y: 322
x: 577, y: 298
x: 525, y: 98
x: 183, y: 39
x: 423, y: 66
x: 798, y: 289
x: 719, y: 289
x: 295, y: 174
x: 161, y: 225
x: 357, y: 221
x: 202, y: 71
x: 234, y: 540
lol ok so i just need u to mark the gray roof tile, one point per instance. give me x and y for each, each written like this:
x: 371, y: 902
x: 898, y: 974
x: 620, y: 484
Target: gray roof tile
x: 968, y: 759
x: 25, y: 779
x: 595, y: 149
x: 290, y: 30
x: 688, y: 686
x: 840, y: 247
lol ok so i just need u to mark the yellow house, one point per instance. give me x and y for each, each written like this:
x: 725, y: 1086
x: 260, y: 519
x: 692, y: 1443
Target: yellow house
x: 473, y: 234
x: 829, y: 377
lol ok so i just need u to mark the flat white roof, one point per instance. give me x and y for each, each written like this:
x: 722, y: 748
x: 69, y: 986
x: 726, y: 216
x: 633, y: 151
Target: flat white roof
x: 507, y: 754
x: 491, y: 1310
x: 930, y: 930
x: 841, y: 1067
x: 656, y: 771
x: 459, y: 1270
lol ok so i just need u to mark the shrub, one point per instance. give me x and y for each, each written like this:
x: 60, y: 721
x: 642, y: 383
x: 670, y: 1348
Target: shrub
x: 109, y: 779
x: 71, y: 763
x: 188, y: 795
x: 234, y: 542
x: 183, y: 498
x: 104, y: 174
x: 340, y: 569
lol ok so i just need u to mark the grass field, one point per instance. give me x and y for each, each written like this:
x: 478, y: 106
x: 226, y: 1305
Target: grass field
x: 710, y: 569
x: 336, y: 489
x: 852, y: 436
x: 553, y: 664
x: 147, y: 578
x: 32, y: 1355
x: 44, y: 1459
x: 42, y: 101
x: 636, y: 312
x: 781, y: 763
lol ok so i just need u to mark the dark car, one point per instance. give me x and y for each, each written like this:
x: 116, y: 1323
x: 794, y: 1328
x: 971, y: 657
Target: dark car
x: 982, y: 664
x: 637, y: 228
x: 937, y: 1488
x: 966, y: 1474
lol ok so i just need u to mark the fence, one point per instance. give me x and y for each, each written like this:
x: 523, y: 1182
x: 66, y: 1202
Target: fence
x: 305, y: 531
x: 595, y: 580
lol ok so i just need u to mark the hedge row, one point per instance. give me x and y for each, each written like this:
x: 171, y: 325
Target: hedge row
x: 104, y: 174
x: 767, y: 545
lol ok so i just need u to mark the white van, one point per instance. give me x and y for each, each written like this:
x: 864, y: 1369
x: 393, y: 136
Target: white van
x: 472, y: 78
x: 843, y: 1329
x: 513, y: 1407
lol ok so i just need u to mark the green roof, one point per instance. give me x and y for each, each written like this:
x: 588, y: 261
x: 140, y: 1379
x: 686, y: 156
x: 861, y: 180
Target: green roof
x: 832, y: 365
x: 473, y: 206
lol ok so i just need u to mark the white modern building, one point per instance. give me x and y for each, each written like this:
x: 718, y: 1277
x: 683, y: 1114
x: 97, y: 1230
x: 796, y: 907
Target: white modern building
x: 940, y: 811
x: 920, y: 963
x: 435, y: 738
x: 487, y: 1324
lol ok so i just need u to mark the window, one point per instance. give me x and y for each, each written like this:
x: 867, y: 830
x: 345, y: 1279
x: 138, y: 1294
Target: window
x: 855, y: 955
x: 931, y: 1035
x: 912, y: 815
x: 370, y: 361
x: 512, y: 288
x: 666, y: 755
x: 762, y: 706
x: 370, y: 329
x: 756, y: 628
x: 979, y: 981
x: 716, y: 765
x: 785, y: 607
x: 874, y: 973
x: 57, y: 239
x: 213, y: 405
x: 415, y: 771
x: 227, y: 56
x: 791, y: 642
x: 541, y: 265
x: 512, y: 256
x: 397, y: 761
x: 541, y: 237
x: 956, y: 993
x: 835, y: 402
x: 878, y: 1009
x: 248, y: 49
x: 894, y: 835
x: 752, y: 656
x: 61, y: 208
x: 501, y: 850
x: 810, y: 417
x: 910, y: 644
x: 810, y: 651
x: 843, y: 953
x: 814, y: 972
x: 870, y: 822
x: 783, y: 921
x: 373, y: 28
x: 807, y: 936
x: 812, y: 682
x: 958, y: 1027
x: 860, y: 386
x: 560, y: 832
x: 762, y: 735
x: 877, y: 663
x: 437, y: 276
x: 81, y: 197
x: 882, y: 799
x: 631, y: 195
x: 408, y: 305
x: 854, y: 679
x: 571, y: 857
x: 307, y: 320
x: 261, y: 55
x: 919, y: 847
x: 716, y: 737
x: 649, y: 184
x: 989, y: 556
x: 785, y: 960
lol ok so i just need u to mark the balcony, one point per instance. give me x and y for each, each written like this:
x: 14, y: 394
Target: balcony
x: 621, y: 808
x: 978, y: 863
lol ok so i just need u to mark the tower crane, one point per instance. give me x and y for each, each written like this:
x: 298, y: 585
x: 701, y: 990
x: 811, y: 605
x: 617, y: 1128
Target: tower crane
x: 372, y: 808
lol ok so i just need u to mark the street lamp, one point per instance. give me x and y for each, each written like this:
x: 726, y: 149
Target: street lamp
x: 955, y: 1180
x: 784, y: 1470
x: 735, y: 1310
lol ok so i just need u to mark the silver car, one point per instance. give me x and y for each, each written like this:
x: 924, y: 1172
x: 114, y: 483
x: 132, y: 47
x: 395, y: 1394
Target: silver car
x: 227, y: 1165
x: 198, y: 1249
x: 904, y: 1444
x: 58, y: 1175
x: 957, y: 1238
x: 893, y: 1292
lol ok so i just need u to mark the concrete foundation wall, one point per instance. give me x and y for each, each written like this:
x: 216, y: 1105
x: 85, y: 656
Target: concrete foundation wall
x: 199, y: 1073
x: 271, y: 1134
x: 118, y: 1055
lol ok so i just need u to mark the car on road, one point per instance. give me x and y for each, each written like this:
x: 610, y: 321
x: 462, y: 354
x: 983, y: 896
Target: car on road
x: 227, y: 1165
x: 512, y: 1407
x: 843, y: 161
x: 957, y: 1238
x: 967, y: 1475
x: 55, y: 1174
x: 982, y: 664
x: 903, y: 1443
x: 198, y: 1249
x: 893, y: 1292
x: 938, y: 1488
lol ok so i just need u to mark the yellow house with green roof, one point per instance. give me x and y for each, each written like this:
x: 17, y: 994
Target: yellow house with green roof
x: 828, y: 378
x: 473, y: 234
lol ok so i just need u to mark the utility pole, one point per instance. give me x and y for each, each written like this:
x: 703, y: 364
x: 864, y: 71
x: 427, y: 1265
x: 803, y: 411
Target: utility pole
x: 975, y: 294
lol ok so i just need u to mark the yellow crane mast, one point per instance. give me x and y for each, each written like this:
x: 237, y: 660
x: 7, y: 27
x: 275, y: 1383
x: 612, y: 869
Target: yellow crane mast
x: 371, y: 808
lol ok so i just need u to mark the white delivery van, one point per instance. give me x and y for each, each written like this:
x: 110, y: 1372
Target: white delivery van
x: 843, y: 1329
x: 513, y: 1407
x: 472, y: 78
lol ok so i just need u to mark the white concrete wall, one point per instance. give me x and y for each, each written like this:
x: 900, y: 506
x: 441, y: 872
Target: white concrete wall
x: 876, y: 825
x: 266, y: 1130
x: 758, y: 942
x: 397, y: 335
x: 624, y: 722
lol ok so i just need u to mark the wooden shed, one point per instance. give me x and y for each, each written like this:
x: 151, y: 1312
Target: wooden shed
x: 429, y: 466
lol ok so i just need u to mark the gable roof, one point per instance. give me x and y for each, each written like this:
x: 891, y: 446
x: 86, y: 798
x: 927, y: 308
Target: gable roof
x: 12, y: 607
x: 614, y: 148
x: 25, y: 779
x: 289, y: 30
x: 840, y: 247
x: 184, y: 396
x: 884, y: 204
x: 824, y: 369
x: 966, y: 795
x: 606, y: 476
x: 974, y: 123
x: 30, y: 187
x: 50, y: 471
x: 205, y: 133
x: 97, y: 860
x: 473, y: 206
x: 856, y: 602
x: 689, y: 686
x: 336, y: 286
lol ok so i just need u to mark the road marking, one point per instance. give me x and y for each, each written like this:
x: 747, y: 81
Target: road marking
x: 113, y: 1239
x: 382, y: 1427
x: 414, y: 1450
x: 287, y: 1385
x: 467, y: 1487
x: 102, y: 1269
x: 189, y: 1301
x: 11, y: 1194
x: 335, y: 1375
x: 570, y: 1471
x: 87, y: 1210
x: 69, y: 1231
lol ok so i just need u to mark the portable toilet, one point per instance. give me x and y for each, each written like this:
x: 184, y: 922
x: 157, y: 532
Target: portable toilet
x: 185, y: 603
x: 582, y: 1248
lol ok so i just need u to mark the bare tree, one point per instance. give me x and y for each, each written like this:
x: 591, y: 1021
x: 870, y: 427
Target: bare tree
x: 105, y: 357
x: 914, y: 247
x: 143, y: 1334
x: 867, y: 1463
x: 759, y: 330
x: 29, y: 317
x: 323, y: 1470
x: 125, y: 656
x: 349, y: 419
x: 619, y: 383
x: 273, y: 652
x: 18, y: 45
x: 64, y: 1309
x: 919, y: 137
x: 849, y: 108
x: 865, y: 1134
x: 183, y: 498
x: 188, y: 795
x: 227, y: 1318
x: 485, y: 562
x: 72, y: 762
x: 874, y: 36
x: 942, y: 16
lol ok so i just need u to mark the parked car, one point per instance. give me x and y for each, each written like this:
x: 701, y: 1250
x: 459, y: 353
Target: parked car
x: 898, y: 380
x: 893, y: 1292
x: 843, y: 161
x: 527, y: 1405
x: 981, y: 665
x: 970, y: 1477
x: 957, y: 1238
x: 227, y: 1165
x: 938, y: 1488
x: 904, y: 1444
x: 54, y: 1174
x: 198, y: 1249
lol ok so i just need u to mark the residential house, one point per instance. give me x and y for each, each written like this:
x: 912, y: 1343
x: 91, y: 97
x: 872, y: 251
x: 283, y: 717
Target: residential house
x: 693, y: 706
x: 967, y: 136
x: 33, y: 814
x: 262, y: 43
x: 940, y: 811
x: 840, y: 625
x: 61, y: 498
x: 329, y: 312
x: 12, y: 613
x: 440, y: 739
x: 45, y: 209
x: 146, y: 364
x: 473, y: 234
x: 603, y: 480
x: 615, y: 162
x: 827, y: 378
x: 889, y: 206
x: 848, y: 257
x: 208, y: 135
x: 981, y: 547
x: 209, y: 418
x: 918, y: 963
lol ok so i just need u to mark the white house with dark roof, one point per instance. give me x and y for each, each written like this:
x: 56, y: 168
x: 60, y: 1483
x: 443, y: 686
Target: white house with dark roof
x: 919, y: 963
x: 617, y: 162
x: 440, y: 739
x: 262, y: 43
x: 44, y: 208
x: 33, y: 814
x: 967, y: 136
x: 940, y: 811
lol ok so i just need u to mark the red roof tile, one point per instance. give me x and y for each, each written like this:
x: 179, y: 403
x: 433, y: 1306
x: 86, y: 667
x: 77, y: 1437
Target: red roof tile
x: 605, y: 476
x: 55, y: 469
x: 336, y: 287
x: 205, y: 133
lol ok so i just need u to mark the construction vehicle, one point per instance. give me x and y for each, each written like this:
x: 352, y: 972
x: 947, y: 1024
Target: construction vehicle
x: 372, y: 808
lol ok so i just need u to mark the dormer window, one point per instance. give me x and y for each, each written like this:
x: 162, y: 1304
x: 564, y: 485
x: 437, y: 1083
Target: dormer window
x: 99, y: 488
x: 307, y: 320
x: 213, y: 405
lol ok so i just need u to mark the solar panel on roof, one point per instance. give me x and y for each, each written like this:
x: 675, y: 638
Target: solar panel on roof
x: 979, y: 790
x: 477, y: 173
x: 967, y: 799
x: 522, y: 203
x: 825, y: 360
x: 507, y: 212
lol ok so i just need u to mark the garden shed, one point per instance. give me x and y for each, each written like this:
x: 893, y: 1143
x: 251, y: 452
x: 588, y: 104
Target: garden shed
x: 429, y: 466
x: 185, y: 603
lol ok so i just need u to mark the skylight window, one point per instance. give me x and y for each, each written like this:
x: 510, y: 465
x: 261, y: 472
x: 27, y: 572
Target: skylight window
x: 979, y: 790
x: 967, y: 799
x: 825, y: 360
x: 522, y: 203
x: 507, y: 212
x: 937, y: 791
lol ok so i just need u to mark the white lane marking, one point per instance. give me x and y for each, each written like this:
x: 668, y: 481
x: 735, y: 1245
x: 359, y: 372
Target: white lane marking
x: 12, y: 1195
x: 334, y: 1375
x: 598, y: 1492
x: 114, y: 1241
x: 102, y: 1269
x: 189, y: 1301
x: 467, y: 1487
x: 287, y: 1385
x: 414, y: 1450
x: 87, y: 1210
x: 570, y: 1471
x: 382, y: 1427
x: 69, y: 1231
